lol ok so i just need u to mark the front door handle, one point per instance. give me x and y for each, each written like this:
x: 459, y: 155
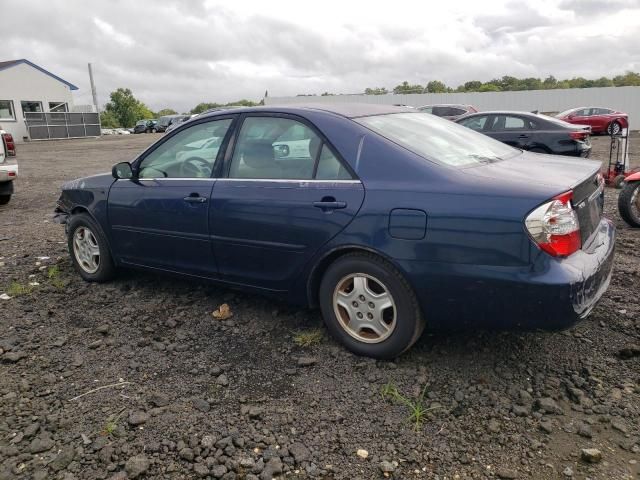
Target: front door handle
x: 523, y: 136
x: 195, y: 199
x: 333, y: 205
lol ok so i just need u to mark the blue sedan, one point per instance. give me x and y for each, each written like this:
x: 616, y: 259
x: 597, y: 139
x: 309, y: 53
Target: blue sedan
x: 388, y: 219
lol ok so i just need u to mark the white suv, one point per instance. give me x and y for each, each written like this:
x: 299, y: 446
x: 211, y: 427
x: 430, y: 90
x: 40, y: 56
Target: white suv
x: 8, y: 166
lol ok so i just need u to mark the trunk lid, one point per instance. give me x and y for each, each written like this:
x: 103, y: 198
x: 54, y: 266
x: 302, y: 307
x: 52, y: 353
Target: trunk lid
x: 560, y: 173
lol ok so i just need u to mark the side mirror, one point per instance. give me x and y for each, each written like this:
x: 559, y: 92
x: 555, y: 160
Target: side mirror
x: 122, y: 171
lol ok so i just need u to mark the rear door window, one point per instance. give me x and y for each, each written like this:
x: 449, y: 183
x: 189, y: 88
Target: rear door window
x: 514, y: 123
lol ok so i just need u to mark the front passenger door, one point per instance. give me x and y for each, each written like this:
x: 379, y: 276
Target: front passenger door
x: 160, y: 218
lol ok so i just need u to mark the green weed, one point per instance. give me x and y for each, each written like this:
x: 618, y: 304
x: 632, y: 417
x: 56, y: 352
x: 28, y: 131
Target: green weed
x: 308, y: 338
x: 417, y: 409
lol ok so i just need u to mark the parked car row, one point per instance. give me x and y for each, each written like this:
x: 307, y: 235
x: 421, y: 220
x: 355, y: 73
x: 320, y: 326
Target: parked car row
x: 114, y: 131
x: 533, y: 132
x: 145, y: 126
x: 568, y: 133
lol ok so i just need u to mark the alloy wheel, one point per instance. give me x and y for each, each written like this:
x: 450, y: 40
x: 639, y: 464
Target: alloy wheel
x: 86, y: 249
x: 365, y: 308
x: 614, y: 128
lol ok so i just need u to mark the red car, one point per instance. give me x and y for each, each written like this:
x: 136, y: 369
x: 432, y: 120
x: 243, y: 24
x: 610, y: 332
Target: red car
x: 601, y: 120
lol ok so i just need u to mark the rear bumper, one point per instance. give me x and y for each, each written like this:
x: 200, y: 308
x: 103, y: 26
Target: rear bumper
x: 551, y: 294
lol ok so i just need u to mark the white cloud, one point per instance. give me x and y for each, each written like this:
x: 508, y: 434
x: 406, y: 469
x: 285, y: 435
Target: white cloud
x: 180, y: 53
x: 111, y: 33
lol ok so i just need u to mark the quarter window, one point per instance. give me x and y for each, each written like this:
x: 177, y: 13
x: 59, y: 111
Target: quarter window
x: 6, y: 110
x: 190, y: 153
x: 329, y: 167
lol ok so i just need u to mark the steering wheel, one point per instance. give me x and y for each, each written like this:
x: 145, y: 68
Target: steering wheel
x: 195, y: 167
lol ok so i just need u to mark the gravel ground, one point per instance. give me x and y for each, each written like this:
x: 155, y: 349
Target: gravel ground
x: 137, y: 379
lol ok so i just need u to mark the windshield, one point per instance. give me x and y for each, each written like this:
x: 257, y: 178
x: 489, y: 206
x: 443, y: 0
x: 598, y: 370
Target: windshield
x: 164, y: 121
x: 438, y: 140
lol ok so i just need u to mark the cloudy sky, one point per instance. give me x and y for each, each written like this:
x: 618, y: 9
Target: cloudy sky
x: 178, y: 53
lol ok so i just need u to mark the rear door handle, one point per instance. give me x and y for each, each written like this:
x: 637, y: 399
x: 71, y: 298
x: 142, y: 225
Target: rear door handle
x: 523, y: 136
x: 195, y: 199
x: 330, y: 205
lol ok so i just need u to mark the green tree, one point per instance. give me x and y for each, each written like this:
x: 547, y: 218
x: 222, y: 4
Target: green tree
x: 472, y: 86
x: 376, y: 91
x: 108, y: 120
x: 166, y: 111
x: 603, y: 82
x: 404, y: 87
x: 435, y: 86
x: 550, y: 82
x: 629, y: 79
x: 489, y: 87
x: 126, y: 108
x: 201, y: 107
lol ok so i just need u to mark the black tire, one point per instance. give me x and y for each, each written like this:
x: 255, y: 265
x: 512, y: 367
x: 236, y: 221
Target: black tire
x: 538, y: 150
x: 106, y: 268
x: 614, y: 128
x: 4, y: 199
x: 628, y: 212
x: 409, y: 322
x: 153, y: 130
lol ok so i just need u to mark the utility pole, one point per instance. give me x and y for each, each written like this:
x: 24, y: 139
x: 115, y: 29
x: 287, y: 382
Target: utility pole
x: 93, y: 89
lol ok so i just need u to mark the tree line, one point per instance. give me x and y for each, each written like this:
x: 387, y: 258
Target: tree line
x: 124, y: 109
x: 508, y: 83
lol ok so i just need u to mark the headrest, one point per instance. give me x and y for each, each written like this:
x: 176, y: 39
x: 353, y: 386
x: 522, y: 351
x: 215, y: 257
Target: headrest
x: 257, y: 153
x: 314, y: 144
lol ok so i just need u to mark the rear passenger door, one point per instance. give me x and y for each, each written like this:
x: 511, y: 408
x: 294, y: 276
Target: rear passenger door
x: 511, y: 129
x: 284, y: 193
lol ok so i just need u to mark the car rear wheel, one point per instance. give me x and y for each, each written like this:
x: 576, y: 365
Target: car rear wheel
x: 4, y: 199
x: 89, y: 249
x: 369, y: 306
x: 538, y: 150
x: 153, y: 130
x: 629, y: 204
x: 614, y: 128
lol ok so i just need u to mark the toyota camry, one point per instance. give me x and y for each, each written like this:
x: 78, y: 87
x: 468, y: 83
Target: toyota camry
x: 388, y: 219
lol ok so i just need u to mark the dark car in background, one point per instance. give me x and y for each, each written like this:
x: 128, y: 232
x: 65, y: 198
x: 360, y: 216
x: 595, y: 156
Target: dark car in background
x: 145, y: 126
x: 448, y: 111
x: 166, y: 121
x: 601, y: 120
x: 455, y: 229
x: 531, y: 131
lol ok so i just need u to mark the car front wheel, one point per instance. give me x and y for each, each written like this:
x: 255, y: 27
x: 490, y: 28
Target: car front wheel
x: 89, y: 250
x: 369, y: 306
x: 4, y: 199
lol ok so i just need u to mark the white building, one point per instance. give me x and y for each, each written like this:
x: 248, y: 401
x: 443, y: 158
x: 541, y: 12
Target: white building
x: 28, y: 88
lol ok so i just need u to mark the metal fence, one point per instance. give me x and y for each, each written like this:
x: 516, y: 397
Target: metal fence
x: 49, y: 126
x: 624, y: 99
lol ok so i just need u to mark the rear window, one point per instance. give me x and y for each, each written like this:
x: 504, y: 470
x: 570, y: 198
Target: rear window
x: 438, y: 140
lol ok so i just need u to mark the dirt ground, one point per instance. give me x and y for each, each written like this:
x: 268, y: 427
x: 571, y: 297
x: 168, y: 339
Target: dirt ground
x: 136, y: 379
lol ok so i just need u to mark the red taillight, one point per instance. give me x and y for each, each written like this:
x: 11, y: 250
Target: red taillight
x: 578, y: 135
x: 554, y: 226
x: 10, y: 144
